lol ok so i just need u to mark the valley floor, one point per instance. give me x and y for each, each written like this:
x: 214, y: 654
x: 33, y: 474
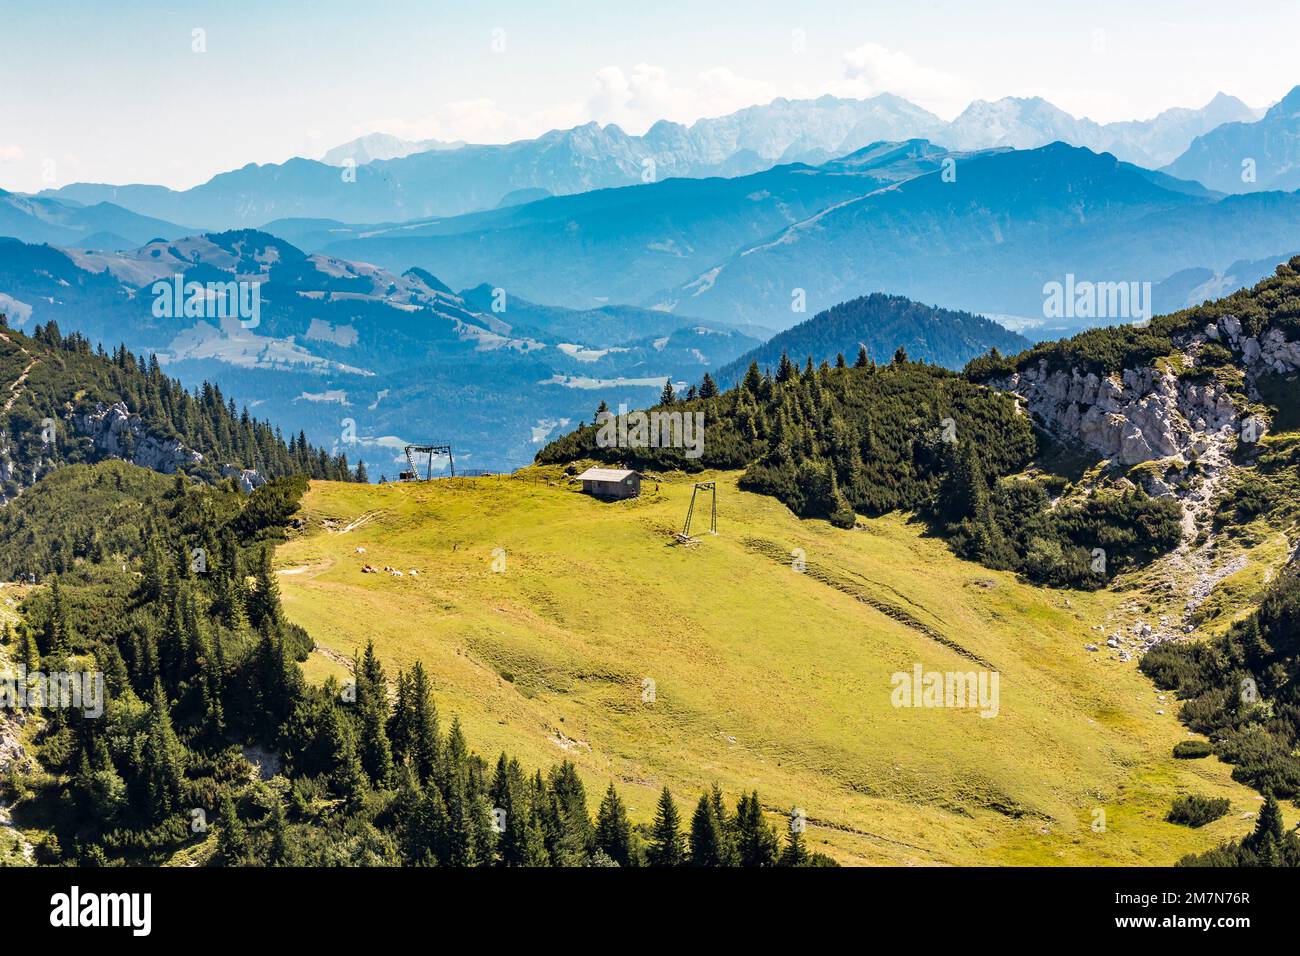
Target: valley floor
x: 557, y: 626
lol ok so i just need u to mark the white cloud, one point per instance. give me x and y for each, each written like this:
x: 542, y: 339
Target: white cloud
x: 636, y: 99
x: 633, y: 101
x: 11, y: 154
x: 871, y: 69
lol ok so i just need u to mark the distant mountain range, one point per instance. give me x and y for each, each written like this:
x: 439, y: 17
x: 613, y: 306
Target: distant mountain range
x: 1248, y: 156
x: 397, y: 180
x: 981, y: 231
x: 657, y: 257
x: 102, y: 225
x: 1032, y: 122
x: 399, y: 357
x: 373, y: 146
x: 626, y: 244
x: 881, y: 324
x: 993, y: 239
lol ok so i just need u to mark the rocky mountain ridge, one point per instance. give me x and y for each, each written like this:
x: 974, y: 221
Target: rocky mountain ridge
x: 1167, y: 408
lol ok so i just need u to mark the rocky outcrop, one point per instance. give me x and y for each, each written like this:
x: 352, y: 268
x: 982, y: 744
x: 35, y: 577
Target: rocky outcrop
x: 247, y: 478
x: 1269, y: 353
x: 114, y: 429
x: 1152, y: 413
x: 1138, y: 416
x: 115, y: 432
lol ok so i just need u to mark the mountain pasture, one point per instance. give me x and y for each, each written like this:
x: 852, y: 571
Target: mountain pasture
x: 557, y: 626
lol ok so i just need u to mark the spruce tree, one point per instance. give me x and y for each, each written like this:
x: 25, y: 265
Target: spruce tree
x: 424, y: 744
x: 667, y: 848
x: 787, y: 370
x: 613, y: 831
x: 756, y: 841
x: 1268, y: 828
x: 163, y: 759
x: 279, y: 853
x: 706, y: 835
x: 795, y: 853
x: 232, y: 841
x: 372, y: 704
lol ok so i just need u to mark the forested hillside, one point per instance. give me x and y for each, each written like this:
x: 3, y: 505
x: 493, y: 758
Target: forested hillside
x: 59, y: 396
x: 1271, y: 305
x: 834, y: 442
x: 882, y: 324
x: 1243, y: 692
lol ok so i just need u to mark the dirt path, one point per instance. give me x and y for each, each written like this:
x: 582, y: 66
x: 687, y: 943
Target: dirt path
x: 16, y: 387
x: 331, y: 524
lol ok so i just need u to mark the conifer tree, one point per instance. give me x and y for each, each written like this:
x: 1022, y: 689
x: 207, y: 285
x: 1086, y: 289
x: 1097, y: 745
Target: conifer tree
x: 795, y: 853
x: 1268, y: 828
x: 728, y: 855
x: 706, y: 841
x: 232, y: 842
x: 667, y: 848
x: 264, y: 602
x: 756, y: 841
x: 279, y: 853
x: 613, y: 831
x: 163, y: 759
x: 424, y: 741
x: 575, y: 837
x: 372, y: 705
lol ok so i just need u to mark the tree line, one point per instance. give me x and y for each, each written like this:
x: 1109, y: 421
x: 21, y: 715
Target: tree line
x: 837, y: 441
x: 70, y: 375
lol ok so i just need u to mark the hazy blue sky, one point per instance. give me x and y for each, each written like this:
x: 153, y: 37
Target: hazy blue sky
x: 113, y: 91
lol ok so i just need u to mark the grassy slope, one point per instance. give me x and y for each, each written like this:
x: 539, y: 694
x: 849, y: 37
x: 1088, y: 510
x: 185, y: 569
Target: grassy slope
x: 765, y: 678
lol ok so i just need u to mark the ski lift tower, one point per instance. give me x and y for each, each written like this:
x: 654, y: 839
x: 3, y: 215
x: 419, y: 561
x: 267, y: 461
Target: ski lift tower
x: 712, y: 488
x: 432, y: 451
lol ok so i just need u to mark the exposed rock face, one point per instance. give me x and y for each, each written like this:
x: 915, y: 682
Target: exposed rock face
x: 1271, y: 352
x: 1141, y: 415
x: 247, y: 478
x: 115, y: 432
x: 108, y: 426
x: 1150, y: 413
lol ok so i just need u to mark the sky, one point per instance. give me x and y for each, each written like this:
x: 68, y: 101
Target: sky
x: 175, y: 92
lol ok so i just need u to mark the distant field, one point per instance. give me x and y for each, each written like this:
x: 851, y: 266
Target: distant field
x: 764, y: 677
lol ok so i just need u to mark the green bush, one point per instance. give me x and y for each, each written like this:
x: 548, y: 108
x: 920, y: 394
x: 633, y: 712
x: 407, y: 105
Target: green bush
x: 1194, y: 811
x: 1192, y: 749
